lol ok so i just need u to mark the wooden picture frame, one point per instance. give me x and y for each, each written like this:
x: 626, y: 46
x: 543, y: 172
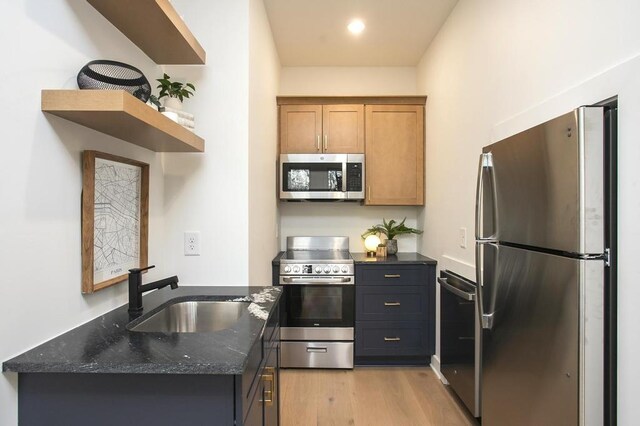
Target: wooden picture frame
x: 115, y: 218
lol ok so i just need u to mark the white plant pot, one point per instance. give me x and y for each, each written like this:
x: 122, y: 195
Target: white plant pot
x: 174, y: 103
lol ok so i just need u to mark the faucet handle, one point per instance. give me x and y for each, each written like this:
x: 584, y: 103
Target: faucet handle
x: 138, y: 270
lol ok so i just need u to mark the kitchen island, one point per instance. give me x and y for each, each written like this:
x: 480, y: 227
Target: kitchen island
x: 102, y: 373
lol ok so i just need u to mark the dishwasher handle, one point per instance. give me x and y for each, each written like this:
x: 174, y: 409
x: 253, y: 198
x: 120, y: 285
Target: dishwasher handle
x: 455, y: 290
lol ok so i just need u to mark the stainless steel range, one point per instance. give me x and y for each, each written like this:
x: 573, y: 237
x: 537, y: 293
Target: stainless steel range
x: 317, y: 275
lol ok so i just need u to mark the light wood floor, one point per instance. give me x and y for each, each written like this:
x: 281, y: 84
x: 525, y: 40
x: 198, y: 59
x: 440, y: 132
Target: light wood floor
x: 368, y: 396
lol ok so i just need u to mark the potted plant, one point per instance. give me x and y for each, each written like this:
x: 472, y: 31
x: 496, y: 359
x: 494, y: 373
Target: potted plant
x: 391, y: 230
x: 174, y: 92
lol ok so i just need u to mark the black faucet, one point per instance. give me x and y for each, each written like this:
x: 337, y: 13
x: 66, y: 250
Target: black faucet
x: 136, y: 288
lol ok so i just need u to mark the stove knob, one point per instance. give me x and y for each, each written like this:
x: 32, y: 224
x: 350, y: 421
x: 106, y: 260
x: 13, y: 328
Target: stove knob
x: 296, y: 269
x: 336, y: 269
x: 327, y: 269
x: 287, y: 269
x: 345, y: 269
x: 318, y: 269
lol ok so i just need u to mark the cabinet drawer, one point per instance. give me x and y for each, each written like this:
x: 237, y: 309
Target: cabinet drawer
x: 391, y: 303
x: 390, y: 275
x: 316, y: 355
x: 390, y: 338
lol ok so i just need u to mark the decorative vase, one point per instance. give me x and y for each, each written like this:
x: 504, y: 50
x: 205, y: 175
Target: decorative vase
x: 173, y: 103
x: 392, y: 247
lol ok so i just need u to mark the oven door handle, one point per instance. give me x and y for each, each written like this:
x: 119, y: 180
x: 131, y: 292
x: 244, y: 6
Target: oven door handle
x: 307, y: 281
x: 460, y: 293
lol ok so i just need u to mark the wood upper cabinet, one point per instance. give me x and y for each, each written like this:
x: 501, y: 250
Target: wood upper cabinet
x: 394, y: 153
x: 300, y: 129
x: 343, y: 129
x: 312, y: 129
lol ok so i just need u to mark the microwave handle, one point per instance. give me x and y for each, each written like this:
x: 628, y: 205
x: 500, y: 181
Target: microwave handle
x: 344, y: 176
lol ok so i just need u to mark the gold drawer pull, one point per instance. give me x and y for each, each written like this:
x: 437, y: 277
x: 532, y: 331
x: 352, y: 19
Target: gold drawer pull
x: 391, y: 339
x: 391, y: 303
x: 392, y: 275
x: 269, y: 378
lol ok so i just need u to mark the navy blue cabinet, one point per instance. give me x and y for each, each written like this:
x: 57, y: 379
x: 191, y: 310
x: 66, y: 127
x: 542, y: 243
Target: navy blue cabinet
x: 395, y: 313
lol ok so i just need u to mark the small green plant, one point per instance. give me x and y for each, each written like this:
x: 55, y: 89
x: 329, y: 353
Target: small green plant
x: 155, y: 101
x: 391, y: 229
x: 174, y: 89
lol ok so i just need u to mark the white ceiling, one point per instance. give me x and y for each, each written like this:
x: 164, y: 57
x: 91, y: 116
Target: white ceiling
x: 314, y: 32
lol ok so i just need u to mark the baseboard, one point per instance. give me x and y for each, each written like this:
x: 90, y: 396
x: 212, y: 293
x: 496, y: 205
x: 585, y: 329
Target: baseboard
x: 435, y: 366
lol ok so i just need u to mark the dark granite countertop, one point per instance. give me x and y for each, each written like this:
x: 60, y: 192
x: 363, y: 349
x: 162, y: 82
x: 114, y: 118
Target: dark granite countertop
x: 104, y: 345
x: 394, y: 259
x: 399, y: 258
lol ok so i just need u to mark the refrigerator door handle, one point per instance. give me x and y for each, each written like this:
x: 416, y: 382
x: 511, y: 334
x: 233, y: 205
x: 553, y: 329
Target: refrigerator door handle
x: 486, y: 319
x: 486, y: 164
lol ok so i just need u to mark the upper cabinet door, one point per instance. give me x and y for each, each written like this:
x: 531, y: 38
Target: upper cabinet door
x: 394, y: 155
x: 343, y: 129
x: 300, y: 129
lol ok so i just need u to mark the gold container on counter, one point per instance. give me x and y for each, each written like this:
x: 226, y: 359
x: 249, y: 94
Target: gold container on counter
x: 381, y: 251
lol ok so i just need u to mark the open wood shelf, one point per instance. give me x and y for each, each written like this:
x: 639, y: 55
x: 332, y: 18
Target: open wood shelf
x: 155, y: 27
x: 119, y: 114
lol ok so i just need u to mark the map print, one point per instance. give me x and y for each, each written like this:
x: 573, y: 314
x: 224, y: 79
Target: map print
x: 116, y: 219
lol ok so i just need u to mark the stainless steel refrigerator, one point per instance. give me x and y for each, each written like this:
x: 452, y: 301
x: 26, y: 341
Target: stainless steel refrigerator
x: 541, y: 259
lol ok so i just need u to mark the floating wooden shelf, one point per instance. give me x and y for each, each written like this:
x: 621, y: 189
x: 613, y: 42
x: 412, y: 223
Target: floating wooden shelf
x: 155, y: 27
x: 119, y: 114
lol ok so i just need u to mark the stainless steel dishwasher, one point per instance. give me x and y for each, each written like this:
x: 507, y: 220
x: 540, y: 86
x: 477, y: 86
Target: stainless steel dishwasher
x: 460, y: 338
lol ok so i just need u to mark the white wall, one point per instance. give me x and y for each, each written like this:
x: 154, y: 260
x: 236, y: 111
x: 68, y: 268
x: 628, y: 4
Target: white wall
x: 41, y: 177
x: 498, y: 67
x: 346, y: 81
x: 264, y: 79
x: 209, y: 192
x: 345, y: 219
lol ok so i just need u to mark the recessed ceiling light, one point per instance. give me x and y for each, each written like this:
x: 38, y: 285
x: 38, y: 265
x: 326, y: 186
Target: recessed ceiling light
x: 356, y: 26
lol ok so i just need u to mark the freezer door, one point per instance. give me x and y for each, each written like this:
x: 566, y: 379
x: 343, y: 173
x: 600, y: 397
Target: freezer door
x: 544, y: 187
x: 542, y: 340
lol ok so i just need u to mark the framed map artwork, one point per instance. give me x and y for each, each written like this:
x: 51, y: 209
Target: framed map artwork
x: 115, y: 218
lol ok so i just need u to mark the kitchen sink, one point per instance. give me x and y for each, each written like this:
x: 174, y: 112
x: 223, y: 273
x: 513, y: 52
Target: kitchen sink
x: 194, y: 317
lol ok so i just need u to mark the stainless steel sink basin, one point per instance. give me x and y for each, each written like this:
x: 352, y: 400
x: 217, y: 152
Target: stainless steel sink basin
x: 194, y: 317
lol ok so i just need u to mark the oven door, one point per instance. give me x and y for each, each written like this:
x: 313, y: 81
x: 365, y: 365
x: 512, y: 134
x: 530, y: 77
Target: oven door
x: 317, y: 305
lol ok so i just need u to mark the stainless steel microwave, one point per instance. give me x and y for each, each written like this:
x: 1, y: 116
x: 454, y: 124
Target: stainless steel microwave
x: 322, y: 177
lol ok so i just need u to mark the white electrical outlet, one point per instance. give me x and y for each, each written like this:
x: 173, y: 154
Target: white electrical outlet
x: 192, y: 243
x: 463, y: 238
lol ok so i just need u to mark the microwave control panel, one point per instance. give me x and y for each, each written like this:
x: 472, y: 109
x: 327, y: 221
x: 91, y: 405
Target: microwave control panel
x: 354, y: 177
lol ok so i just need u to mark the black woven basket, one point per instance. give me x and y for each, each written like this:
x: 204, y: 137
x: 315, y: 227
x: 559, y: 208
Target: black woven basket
x: 112, y: 75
